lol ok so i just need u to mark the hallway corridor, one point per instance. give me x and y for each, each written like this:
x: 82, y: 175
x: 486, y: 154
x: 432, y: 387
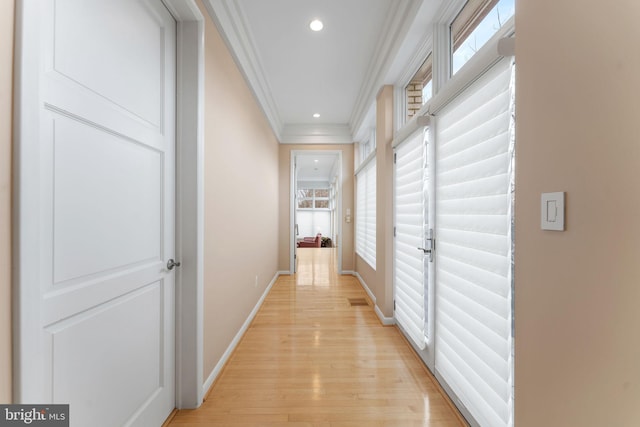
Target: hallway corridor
x: 311, y: 358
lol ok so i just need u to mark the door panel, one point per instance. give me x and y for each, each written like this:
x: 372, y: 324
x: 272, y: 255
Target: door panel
x: 127, y: 48
x: 103, y: 346
x: 106, y: 220
x: 97, y: 317
x: 413, y: 289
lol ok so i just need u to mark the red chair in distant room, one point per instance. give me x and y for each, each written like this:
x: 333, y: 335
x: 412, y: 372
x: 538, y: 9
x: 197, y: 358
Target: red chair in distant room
x: 311, y: 242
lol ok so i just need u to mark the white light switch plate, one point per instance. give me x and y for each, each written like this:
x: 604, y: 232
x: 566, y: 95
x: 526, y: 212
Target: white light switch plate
x: 552, y: 211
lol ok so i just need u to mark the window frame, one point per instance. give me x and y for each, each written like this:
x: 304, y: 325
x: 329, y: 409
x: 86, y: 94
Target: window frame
x: 465, y: 23
x: 365, y: 233
x: 314, y: 198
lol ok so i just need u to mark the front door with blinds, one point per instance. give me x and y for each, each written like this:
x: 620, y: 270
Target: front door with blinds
x: 413, y: 248
x: 474, y: 260
x: 453, y: 299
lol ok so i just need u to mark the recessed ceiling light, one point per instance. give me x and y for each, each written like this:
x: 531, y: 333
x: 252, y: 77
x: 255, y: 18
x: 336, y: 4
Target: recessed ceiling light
x: 316, y: 160
x: 316, y: 25
x: 316, y: 115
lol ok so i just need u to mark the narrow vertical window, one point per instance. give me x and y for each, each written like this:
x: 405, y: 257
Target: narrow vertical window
x: 420, y: 88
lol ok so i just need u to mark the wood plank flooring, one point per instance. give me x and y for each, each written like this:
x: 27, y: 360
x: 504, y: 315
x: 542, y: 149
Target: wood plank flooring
x: 310, y: 358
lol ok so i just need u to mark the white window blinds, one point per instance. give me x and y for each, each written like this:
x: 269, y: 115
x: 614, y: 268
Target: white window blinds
x: 474, y: 248
x: 409, y: 273
x: 366, y: 213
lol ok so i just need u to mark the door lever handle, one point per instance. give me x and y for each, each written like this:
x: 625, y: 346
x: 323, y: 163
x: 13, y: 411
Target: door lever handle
x: 426, y: 251
x: 171, y: 264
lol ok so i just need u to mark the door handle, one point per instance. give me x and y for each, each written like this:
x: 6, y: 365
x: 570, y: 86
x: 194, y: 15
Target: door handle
x: 171, y: 264
x: 426, y: 251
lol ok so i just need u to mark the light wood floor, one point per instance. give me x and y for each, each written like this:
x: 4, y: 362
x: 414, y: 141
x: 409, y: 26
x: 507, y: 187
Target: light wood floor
x: 311, y: 359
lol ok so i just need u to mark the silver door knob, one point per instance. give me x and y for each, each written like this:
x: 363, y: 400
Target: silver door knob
x: 171, y: 264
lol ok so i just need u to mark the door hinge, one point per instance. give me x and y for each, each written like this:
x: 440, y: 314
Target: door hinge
x: 395, y: 158
x: 394, y: 231
x: 394, y: 305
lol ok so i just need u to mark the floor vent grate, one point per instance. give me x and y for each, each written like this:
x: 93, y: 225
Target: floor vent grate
x: 357, y: 302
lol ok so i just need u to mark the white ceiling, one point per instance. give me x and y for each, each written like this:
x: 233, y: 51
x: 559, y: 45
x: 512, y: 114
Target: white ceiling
x: 316, y: 167
x: 337, y: 72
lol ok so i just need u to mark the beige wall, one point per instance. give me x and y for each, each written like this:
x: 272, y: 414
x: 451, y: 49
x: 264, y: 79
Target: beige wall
x: 348, y: 201
x: 241, y: 200
x: 6, y: 84
x: 380, y: 280
x: 578, y: 292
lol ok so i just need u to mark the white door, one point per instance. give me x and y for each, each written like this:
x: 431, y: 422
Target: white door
x: 413, y: 244
x: 97, y: 204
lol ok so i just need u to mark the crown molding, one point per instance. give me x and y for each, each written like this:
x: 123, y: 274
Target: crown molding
x: 316, y: 134
x: 231, y: 22
x: 415, y: 61
x: 401, y: 15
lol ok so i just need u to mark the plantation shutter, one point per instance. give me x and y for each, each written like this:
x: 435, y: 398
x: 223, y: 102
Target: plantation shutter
x: 474, y: 247
x: 366, y: 212
x: 409, y: 274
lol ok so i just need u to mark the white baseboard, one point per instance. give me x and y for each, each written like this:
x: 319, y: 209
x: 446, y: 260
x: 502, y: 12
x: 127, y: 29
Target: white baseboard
x: 284, y: 273
x: 225, y: 357
x: 348, y: 273
x: 365, y: 287
x: 387, y: 321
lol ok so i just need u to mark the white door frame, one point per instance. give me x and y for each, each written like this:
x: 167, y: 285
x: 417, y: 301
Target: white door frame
x: 189, y: 202
x: 189, y: 192
x: 292, y: 205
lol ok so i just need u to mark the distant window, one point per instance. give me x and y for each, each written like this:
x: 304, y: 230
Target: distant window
x: 324, y: 192
x: 322, y: 204
x: 368, y: 146
x: 476, y: 23
x: 309, y: 198
x: 420, y: 88
x: 305, y: 204
x: 366, y: 213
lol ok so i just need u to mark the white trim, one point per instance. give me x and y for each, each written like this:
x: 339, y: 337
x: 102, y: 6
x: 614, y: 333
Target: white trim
x: 419, y: 56
x: 316, y: 134
x: 292, y: 204
x: 387, y: 321
x: 498, y: 47
x: 365, y: 162
x: 236, y: 339
x: 416, y: 124
x: 292, y: 212
x: 399, y: 106
x: 230, y: 19
x: 401, y: 14
x: 28, y: 374
x: 476, y: 67
x: 189, y: 202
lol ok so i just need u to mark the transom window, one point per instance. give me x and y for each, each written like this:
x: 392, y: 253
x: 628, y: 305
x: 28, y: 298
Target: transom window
x: 420, y: 88
x: 476, y: 23
x: 367, y: 147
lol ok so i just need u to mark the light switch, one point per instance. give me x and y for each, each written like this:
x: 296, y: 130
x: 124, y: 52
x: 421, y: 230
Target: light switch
x: 552, y: 211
